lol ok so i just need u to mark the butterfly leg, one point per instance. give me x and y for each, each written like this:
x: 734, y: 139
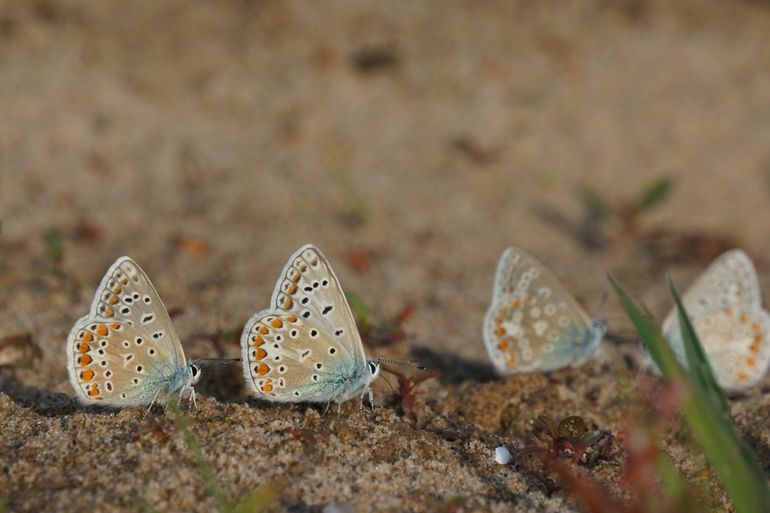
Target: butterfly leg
x: 366, y: 392
x: 191, y: 400
x: 152, y: 403
x: 327, y: 407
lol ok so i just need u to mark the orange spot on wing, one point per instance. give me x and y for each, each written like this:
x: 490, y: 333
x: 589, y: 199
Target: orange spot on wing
x: 85, y: 360
x: 744, y: 318
x: 94, y: 391
x: 742, y: 377
x: 83, y: 348
x: 263, y: 330
x: 115, y: 325
x: 756, y: 327
x: 291, y: 318
x: 113, y: 299
x: 515, y: 303
x: 87, y: 336
x: 751, y: 362
x: 287, y: 303
x: 87, y: 375
x: 261, y: 353
x: 108, y: 312
x: 503, y: 345
x: 258, y: 341
x: 500, y: 331
x: 117, y: 289
x: 276, y: 323
x: 267, y: 386
x: 262, y: 369
x: 292, y: 289
x: 511, y: 361
x: 102, y: 330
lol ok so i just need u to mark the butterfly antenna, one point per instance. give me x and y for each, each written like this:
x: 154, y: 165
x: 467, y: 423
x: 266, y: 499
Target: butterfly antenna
x: 217, y: 360
x: 389, y: 383
x: 403, y: 363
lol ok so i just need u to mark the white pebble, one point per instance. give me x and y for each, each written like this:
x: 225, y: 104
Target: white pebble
x: 502, y: 455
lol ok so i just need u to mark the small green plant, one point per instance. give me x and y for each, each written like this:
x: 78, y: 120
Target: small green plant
x: 605, y: 222
x: 570, y: 438
x: 704, y: 407
x: 407, y: 385
x: 627, y: 213
x: 53, y: 243
x: 556, y: 447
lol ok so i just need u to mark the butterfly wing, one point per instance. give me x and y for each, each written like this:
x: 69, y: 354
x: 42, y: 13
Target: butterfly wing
x: 729, y: 281
x: 306, y: 347
x: 116, y: 364
x: 736, y: 343
x: 533, y: 323
x: 125, y: 351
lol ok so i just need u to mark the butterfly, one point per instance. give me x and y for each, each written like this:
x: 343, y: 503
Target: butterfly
x: 533, y: 323
x: 306, y: 346
x: 125, y: 352
x: 725, y: 306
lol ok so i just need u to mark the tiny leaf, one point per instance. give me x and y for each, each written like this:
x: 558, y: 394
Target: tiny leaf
x: 654, y: 194
x: 594, y: 204
x: 572, y: 427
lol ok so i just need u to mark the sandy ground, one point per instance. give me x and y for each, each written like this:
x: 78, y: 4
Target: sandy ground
x: 209, y: 140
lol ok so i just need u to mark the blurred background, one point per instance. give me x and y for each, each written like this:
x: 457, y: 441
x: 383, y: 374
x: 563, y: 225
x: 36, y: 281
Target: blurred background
x: 411, y: 142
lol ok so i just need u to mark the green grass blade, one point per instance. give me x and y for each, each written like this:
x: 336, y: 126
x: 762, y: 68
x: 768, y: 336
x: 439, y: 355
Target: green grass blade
x: 732, y: 459
x: 697, y: 361
x: 677, y: 488
x: 653, y: 340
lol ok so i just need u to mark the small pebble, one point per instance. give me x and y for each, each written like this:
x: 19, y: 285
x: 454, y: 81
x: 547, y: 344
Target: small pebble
x: 502, y: 455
